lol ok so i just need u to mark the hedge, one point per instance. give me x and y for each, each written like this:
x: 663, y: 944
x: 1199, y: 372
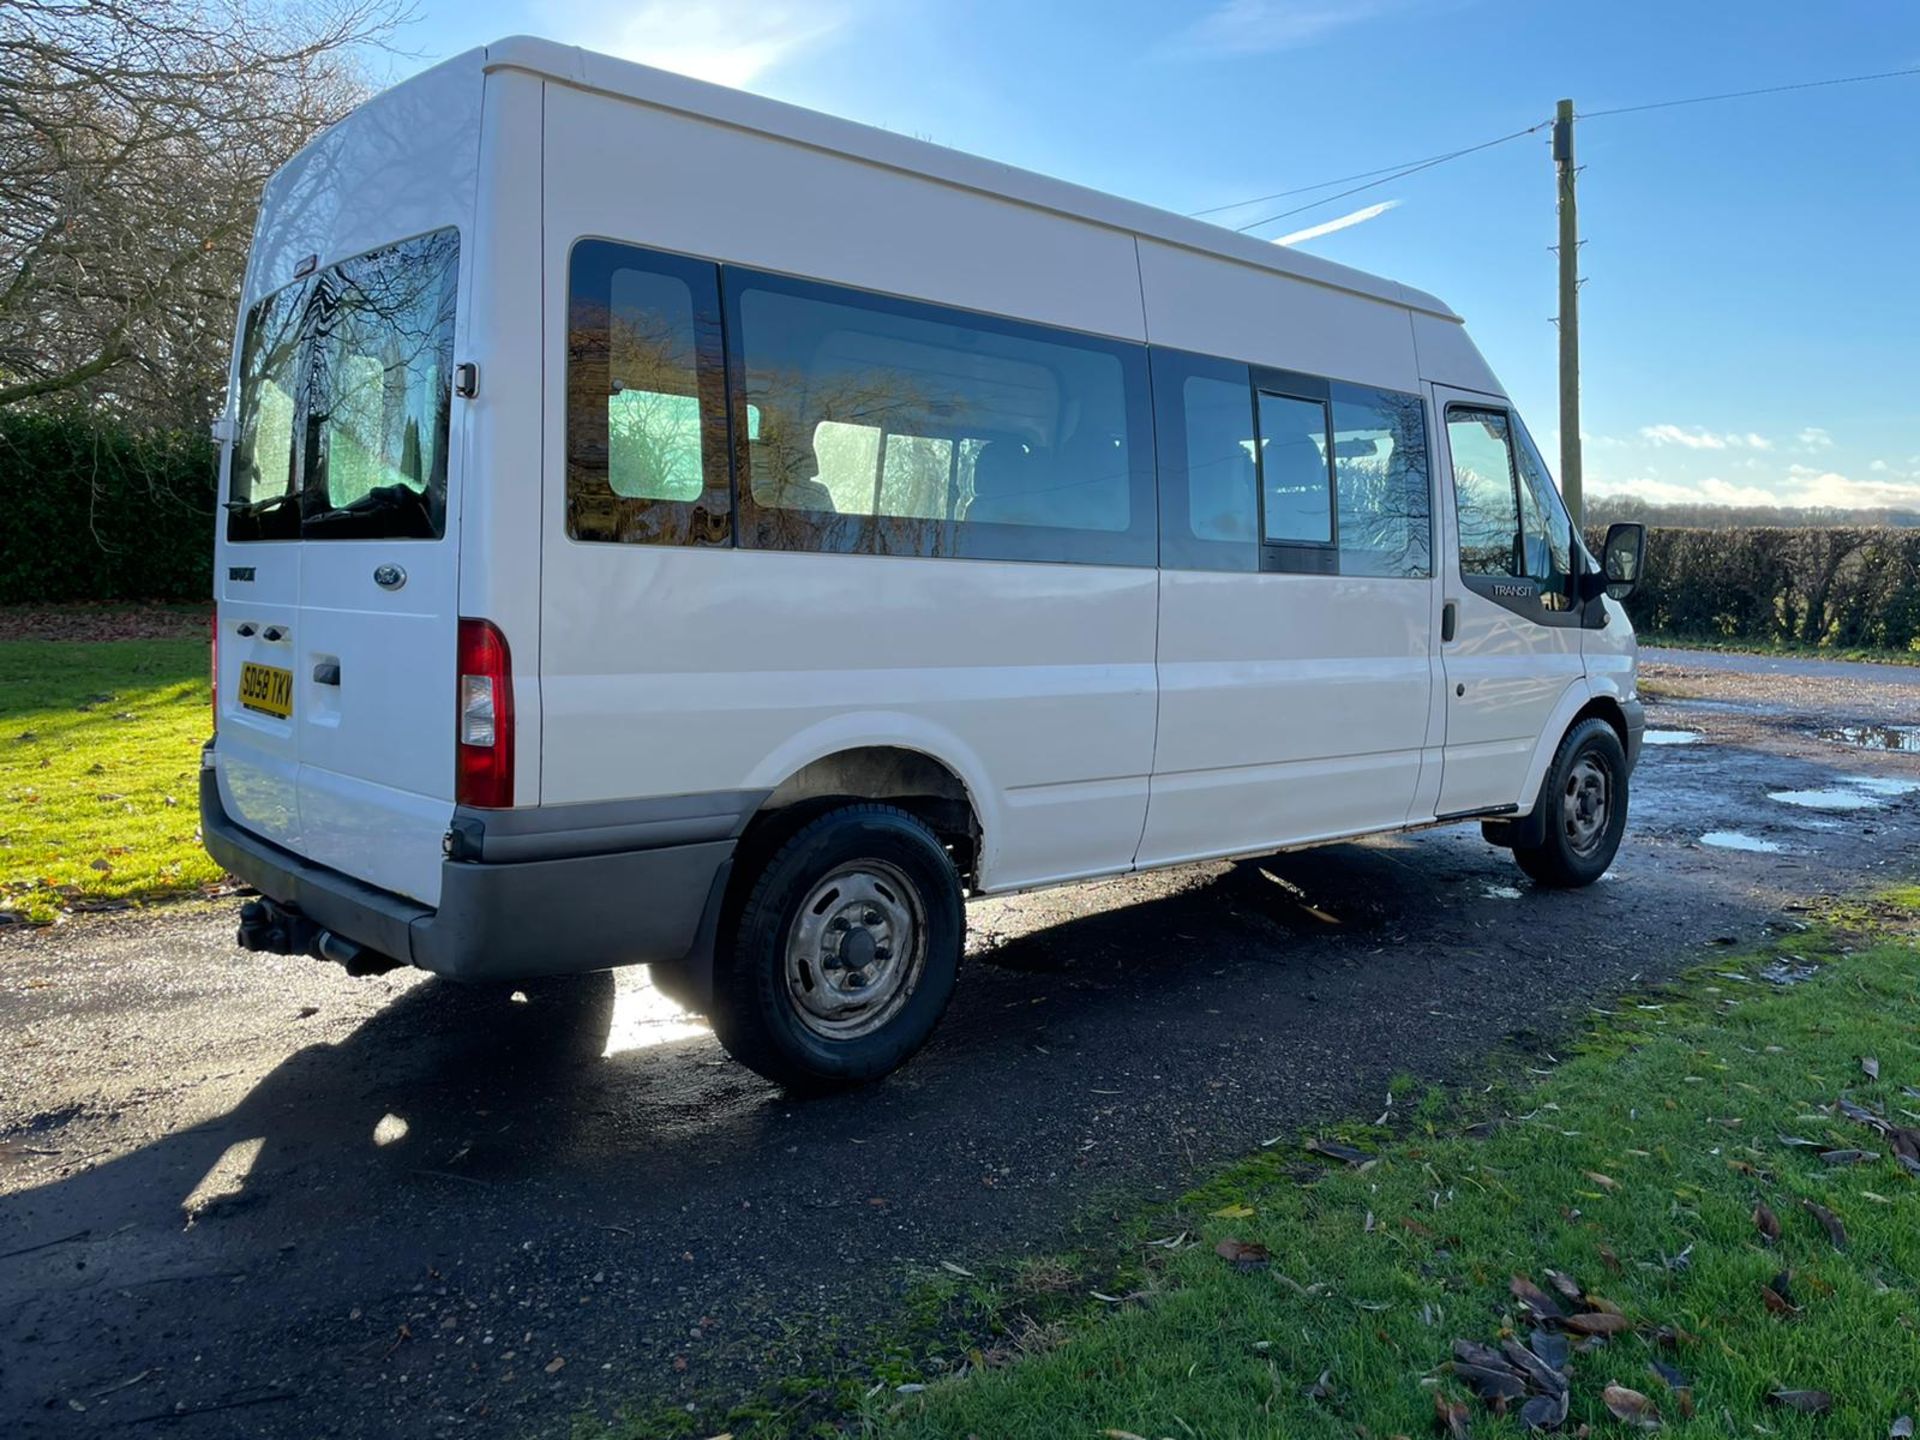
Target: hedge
x: 1843, y: 586
x: 96, y: 512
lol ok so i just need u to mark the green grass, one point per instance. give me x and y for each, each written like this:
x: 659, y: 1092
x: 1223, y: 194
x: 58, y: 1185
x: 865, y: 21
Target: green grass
x: 1678, y: 1098
x: 1875, y: 654
x: 99, y: 759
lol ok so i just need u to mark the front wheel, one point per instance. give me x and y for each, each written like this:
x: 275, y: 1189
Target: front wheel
x: 844, y: 954
x: 1584, y: 809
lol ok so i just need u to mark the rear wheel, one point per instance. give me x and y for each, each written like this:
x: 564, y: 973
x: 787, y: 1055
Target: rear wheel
x: 843, y: 955
x: 1584, y: 809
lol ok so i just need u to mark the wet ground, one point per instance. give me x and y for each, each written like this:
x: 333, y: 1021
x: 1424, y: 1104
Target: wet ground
x: 243, y: 1195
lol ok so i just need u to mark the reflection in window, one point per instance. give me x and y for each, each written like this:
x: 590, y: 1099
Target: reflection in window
x: 1484, y: 493
x: 908, y: 429
x: 646, y: 406
x: 379, y: 392
x: 261, y: 474
x: 1549, y: 533
x: 1293, y: 470
x: 1380, y: 475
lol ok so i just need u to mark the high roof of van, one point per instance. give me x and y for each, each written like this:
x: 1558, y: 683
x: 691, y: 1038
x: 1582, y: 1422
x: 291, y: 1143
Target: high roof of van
x: 588, y: 70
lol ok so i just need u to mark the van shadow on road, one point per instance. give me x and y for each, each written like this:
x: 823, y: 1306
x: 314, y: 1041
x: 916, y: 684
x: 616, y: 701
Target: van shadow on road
x: 411, y: 1224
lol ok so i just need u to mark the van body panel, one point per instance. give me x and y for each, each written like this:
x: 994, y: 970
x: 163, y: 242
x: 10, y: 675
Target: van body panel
x: 257, y: 593
x: 1290, y: 705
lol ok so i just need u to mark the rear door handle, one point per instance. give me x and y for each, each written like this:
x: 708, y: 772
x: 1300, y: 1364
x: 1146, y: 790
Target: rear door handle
x: 327, y: 673
x: 1449, y: 617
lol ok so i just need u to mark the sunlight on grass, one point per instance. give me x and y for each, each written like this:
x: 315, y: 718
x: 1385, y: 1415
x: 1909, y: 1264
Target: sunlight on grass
x: 99, y: 762
x: 1634, y: 1167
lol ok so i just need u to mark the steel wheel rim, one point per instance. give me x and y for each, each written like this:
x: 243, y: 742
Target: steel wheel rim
x: 1587, y: 803
x: 855, y: 950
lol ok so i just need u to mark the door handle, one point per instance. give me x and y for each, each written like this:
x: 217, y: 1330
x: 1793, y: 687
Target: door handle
x: 327, y: 672
x: 1449, y: 618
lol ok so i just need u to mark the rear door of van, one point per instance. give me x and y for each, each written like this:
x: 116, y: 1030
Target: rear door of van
x: 374, y: 653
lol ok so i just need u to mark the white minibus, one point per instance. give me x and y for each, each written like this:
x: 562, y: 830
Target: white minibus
x: 664, y: 525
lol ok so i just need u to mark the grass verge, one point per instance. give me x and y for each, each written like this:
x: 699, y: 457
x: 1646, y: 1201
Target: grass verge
x: 99, y: 757
x: 1873, y: 654
x: 1634, y: 1166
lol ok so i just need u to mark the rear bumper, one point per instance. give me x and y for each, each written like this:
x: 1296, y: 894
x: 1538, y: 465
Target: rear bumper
x: 510, y: 919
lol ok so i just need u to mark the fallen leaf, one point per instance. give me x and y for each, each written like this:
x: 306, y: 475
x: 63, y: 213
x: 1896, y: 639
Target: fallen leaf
x: 1599, y: 1322
x: 1631, y: 1406
x: 1121, y: 1435
x: 1848, y: 1157
x: 1766, y: 1222
x: 1245, y: 1254
x: 1334, y: 1150
x: 556, y: 1364
x: 1540, y: 1375
x: 1472, y: 1352
x: 1234, y: 1212
x: 1807, y: 1402
x: 1321, y: 1389
x: 1545, y: 1412
x: 1490, y: 1383
x: 953, y: 1269
x: 1797, y: 1142
x: 1779, y: 1294
x: 1450, y: 1417
x: 1565, y: 1284
x: 1871, y: 1066
x: 1534, y: 1298
x: 1901, y: 1429
x: 1605, y: 1182
x: 1859, y: 1114
x: 1549, y: 1347
x: 1830, y: 1222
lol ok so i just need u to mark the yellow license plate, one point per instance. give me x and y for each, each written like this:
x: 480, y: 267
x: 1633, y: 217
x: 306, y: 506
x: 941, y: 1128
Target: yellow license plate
x: 267, y: 688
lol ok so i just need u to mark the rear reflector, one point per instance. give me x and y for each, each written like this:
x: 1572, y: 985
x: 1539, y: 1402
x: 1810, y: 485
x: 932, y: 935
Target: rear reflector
x: 483, y: 758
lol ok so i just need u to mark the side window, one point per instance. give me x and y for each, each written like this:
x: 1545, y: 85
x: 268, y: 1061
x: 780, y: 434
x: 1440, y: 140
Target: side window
x: 1209, y: 471
x: 1380, y: 476
x: 1485, y: 495
x: 892, y: 427
x: 646, y: 399
x: 1296, y: 482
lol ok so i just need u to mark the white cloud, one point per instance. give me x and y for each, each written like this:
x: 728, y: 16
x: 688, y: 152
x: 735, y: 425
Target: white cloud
x: 1801, y: 486
x: 1260, y: 27
x: 730, y: 42
x: 1879, y: 467
x: 1814, y: 438
x: 1696, y: 438
x: 1327, y: 227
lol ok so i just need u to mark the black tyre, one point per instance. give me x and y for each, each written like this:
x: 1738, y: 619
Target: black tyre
x: 1583, y: 802
x: 843, y: 954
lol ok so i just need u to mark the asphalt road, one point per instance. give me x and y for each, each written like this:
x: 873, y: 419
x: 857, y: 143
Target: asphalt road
x: 247, y: 1196
x: 1805, y: 666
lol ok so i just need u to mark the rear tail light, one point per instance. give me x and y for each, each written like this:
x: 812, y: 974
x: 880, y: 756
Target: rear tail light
x: 483, y: 764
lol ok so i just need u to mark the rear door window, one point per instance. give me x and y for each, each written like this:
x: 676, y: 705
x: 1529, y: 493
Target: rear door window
x: 345, y: 393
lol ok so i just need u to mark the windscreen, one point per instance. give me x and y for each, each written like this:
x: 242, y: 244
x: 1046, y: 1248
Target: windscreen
x: 345, y: 384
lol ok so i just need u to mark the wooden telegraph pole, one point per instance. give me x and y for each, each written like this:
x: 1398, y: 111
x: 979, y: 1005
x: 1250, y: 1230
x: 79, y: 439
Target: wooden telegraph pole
x: 1569, y: 312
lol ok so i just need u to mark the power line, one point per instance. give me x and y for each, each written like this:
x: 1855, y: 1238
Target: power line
x: 1387, y: 174
x: 1744, y: 94
x: 1412, y: 169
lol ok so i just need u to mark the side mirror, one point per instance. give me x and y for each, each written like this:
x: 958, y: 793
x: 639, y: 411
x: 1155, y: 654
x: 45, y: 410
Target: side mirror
x: 1621, y: 557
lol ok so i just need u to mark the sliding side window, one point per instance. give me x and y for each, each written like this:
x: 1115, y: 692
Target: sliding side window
x: 646, y: 399
x: 1381, y: 477
x: 881, y: 426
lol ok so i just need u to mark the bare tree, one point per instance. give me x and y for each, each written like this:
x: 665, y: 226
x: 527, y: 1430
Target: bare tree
x: 135, y: 138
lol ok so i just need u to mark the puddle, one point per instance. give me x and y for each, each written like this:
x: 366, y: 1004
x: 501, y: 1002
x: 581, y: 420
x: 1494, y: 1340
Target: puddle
x: 1501, y: 892
x: 1789, y: 970
x: 1877, y: 785
x: 1734, y: 840
x: 1875, y: 737
x: 1833, y: 799
x: 1672, y: 737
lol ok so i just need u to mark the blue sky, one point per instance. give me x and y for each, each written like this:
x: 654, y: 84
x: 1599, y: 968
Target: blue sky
x: 1751, y: 313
